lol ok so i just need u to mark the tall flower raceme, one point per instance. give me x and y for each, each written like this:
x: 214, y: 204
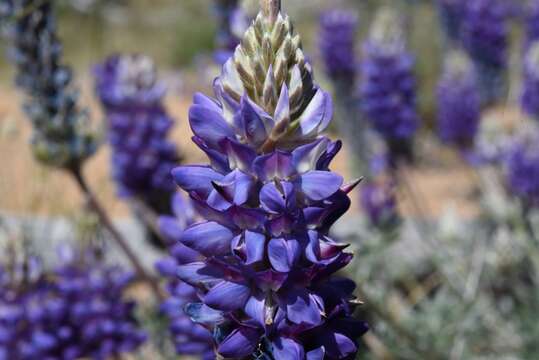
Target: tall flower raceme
x: 61, y: 134
x: 79, y: 311
x: 138, y: 124
x: 530, y: 91
x: 188, y: 338
x: 451, y: 13
x: 232, y: 22
x: 532, y: 23
x: 459, y: 102
x: 522, y: 168
x: 337, y: 37
x: 388, y: 86
x: 485, y: 35
x: 262, y: 262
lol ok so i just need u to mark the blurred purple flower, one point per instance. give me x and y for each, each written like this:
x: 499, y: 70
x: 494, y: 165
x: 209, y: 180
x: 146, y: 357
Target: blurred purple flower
x: 459, y: 102
x: 388, y: 87
x: 451, y: 13
x: 232, y: 21
x: 530, y: 91
x: 380, y: 204
x: 532, y: 23
x: 522, y: 168
x: 337, y: 36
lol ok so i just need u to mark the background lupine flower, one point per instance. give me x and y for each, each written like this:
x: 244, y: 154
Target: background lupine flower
x: 138, y: 124
x: 188, y: 338
x: 532, y: 23
x: 337, y: 36
x: 79, y: 312
x: 231, y: 23
x: 262, y: 261
x: 530, y: 93
x: 379, y: 203
x: 485, y: 36
x: 459, y: 102
x: 522, y: 168
x: 61, y: 135
x: 388, y: 87
x: 451, y: 13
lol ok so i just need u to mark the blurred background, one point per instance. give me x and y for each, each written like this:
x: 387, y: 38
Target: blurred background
x: 449, y: 272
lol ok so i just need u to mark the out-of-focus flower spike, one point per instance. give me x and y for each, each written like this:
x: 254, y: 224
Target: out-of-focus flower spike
x: 530, y: 91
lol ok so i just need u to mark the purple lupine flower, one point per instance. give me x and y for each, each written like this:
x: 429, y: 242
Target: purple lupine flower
x: 379, y: 203
x: 485, y: 36
x: 61, y: 135
x: 188, y: 338
x: 451, y: 13
x: 80, y: 312
x: 337, y: 37
x: 459, y: 102
x: 132, y: 97
x: 262, y: 262
x: 532, y: 23
x: 530, y: 92
x: 388, y: 87
x: 522, y: 168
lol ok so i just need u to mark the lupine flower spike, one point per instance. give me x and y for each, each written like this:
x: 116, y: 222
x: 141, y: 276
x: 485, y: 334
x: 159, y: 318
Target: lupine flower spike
x: 530, y: 92
x: 79, y: 312
x: 485, y: 34
x: 138, y: 127
x: 451, y: 13
x: 459, y: 102
x: 378, y: 201
x: 262, y: 262
x: 61, y: 134
x: 532, y: 23
x: 388, y: 87
x: 337, y: 37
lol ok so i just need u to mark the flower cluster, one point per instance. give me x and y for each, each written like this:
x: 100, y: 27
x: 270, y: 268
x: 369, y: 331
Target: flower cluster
x: 188, y: 338
x: 522, y: 168
x: 77, y: 312
x: 485, y: 36
x: 380, y: 204
x: 231, y: 23
x: 532, y: 23
x: 451, y: 13
x: 61, y: 135
x: 388, y: 87
x: 530, y: 93
x: 142, y: 156
x: 459, y: 102
x: 262, y: 262
x: 337, y: 44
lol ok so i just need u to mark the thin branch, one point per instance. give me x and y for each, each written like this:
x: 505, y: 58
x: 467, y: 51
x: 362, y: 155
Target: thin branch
x: 116, y: 236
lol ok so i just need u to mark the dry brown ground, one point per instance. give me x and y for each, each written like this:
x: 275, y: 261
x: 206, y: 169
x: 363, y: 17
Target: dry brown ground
x: 26, y: 187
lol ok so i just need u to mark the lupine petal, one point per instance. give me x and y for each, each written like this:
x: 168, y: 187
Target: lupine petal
x: 287, y: 349
x: 199, y: 273
x: 306, y: 157
x: 254, y: 243
x: 209, y: 125
x: 206, y: 101
x: 256, y: 309
x: 203, y: 314
x: 277, y: 165
x: 196, y: 178
x: 227, y: 296
x: 317, y: 115
x: 208, y: 238
x: 239, y: 156
x: 319, y: 185
x: 240, y: 343
x: 316, y: 354
x: 303, y: 308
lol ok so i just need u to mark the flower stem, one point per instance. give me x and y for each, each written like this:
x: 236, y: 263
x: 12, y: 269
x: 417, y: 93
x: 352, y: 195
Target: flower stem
x: 116, y: 236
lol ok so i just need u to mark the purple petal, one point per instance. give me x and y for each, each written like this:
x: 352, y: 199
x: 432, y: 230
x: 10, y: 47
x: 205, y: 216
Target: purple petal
x: 218, y: 160
x: 239, y: 156
x: 185, y: 255
x: 317, y: 115
x: 196, y: 178
x: 277, y: 165
x: 256, y: 309
x: 270, y: 280
x: 287, y: 349
x: 303, y: 307
x: 283, y: 254
x: 208, y: 238
x: 200, y: 273
x: 206, y: 101
x: 240, y: 343
x: 332, y: 151
x: 170, y: 228
x: 254, y: 243
x: 227, y: 296
x: 282, y: 111
x: 209, y: 125
x: 203, y: 314
x: 319, y: 185
x: 316, y: 354
x: 251, y: 118
x: 166, y: 267
x: 306, y: 157
x: 338, y: 345
x: 278, y: 200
